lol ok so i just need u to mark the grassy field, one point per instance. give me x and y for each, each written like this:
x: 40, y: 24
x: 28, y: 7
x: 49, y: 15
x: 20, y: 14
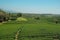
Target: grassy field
x: 36, y: 31
x: 8, y: 31
x: 32, y: 30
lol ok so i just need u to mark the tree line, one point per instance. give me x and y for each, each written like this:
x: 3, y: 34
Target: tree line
x: 5, y: 16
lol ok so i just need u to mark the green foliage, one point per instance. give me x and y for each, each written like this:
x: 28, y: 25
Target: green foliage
x: 21, y: 19
x: 37, y: 18
x: 19, y: 14
x: 3, y: 15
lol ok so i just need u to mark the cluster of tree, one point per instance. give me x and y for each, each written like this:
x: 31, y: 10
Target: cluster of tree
x: 19, y: 14
x: 37, y: 18
x: 5, y: 16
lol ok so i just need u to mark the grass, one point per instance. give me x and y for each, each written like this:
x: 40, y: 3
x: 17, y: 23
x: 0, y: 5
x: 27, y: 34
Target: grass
x: 40, y: 29
x: 31, y: 28
x: 8, y: 30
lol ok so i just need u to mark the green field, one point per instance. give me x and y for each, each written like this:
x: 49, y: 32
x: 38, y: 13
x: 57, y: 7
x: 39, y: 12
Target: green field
x: 40, y: 30
x: 8, y: 31
x: 30, y: 31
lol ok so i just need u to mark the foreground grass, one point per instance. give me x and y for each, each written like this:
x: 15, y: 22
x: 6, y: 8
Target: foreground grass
x: 55, y: 28
x: 36, y: 31
x: 8, y: 31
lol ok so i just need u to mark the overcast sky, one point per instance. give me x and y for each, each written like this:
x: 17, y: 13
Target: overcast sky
x: 31, y: 6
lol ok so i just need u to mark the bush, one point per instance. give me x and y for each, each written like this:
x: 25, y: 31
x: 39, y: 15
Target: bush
x: 21, y: 19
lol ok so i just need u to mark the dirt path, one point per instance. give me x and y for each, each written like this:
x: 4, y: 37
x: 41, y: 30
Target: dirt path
x: 16, y: 36
x: 18, y: 32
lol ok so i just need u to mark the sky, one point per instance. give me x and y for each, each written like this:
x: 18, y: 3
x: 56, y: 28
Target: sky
x: 31, y: 6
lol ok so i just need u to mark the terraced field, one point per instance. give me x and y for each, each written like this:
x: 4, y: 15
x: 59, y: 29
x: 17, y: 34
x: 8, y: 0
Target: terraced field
x: 30, y: 31
x: 40, y: 31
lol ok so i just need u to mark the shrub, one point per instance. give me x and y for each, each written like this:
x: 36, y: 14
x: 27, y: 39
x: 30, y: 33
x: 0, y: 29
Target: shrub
x: 21, y: 19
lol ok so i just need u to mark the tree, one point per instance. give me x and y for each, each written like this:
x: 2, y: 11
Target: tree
x: 37, y: 18
x: 3, y: 15
x: 19, y: 14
